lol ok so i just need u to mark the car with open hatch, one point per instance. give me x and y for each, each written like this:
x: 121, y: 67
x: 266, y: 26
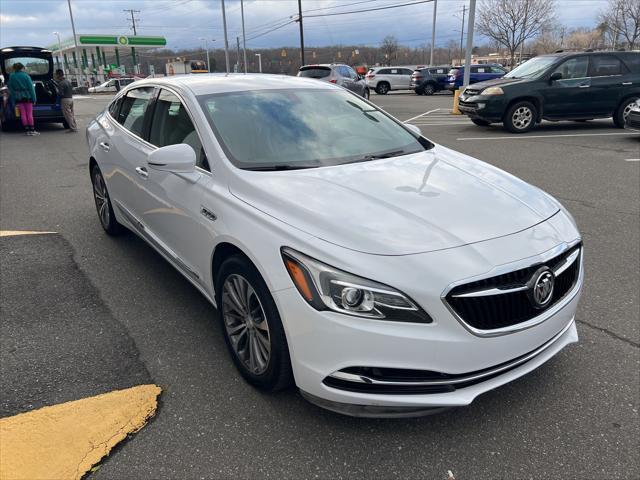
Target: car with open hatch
x: 578, y: 86
x: 346, y: 253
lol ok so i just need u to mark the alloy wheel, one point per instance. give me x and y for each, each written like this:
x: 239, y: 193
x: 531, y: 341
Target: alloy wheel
x: 246, y: 324
x: 627, y: 110
x: 101, y: 197
x: 522, y: 117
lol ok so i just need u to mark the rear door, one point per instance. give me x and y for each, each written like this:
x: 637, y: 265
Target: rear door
x: 608, y: 78
x: 404, y: 78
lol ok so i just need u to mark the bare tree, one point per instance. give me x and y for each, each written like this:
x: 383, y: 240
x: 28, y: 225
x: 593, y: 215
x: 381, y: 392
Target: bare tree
x: 511, y: 22
x: 621, y: 23
x: 389, y: 47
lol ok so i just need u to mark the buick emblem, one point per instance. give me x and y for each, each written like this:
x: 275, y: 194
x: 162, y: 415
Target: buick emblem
x: 541, y: 287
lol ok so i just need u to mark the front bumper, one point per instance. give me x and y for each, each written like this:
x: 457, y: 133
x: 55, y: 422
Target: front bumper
x: 490, y: 108
x: 323, y: 343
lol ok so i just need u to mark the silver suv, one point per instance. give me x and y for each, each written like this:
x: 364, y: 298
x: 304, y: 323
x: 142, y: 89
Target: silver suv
x: 385, y: 79
x: 337, y: 73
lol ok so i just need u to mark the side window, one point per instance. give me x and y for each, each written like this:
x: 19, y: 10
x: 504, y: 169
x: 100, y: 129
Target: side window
x: 605, y: 65
x: 384, y: 71
x: 134, y: 107
x: 406, y: 71
x: 114, y: 108
x: 497, y: 70
x: 352, y: 73
x: 394, y: 71
x: 475, y: 69
x: 575, y: 67
x: 171, y: 125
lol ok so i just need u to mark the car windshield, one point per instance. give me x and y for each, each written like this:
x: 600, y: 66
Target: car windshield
x: 304, y: 128
x: 32, y: 65
x: 532, y: 68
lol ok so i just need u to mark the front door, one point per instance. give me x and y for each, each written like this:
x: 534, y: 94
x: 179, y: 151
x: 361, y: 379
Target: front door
x: 571, y: 95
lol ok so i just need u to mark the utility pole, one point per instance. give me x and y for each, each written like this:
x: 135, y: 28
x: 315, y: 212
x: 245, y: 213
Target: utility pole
x: 244, y: 38
x: 133, y: 18
x: 433, y: 32
x: 75, y: 41
x: 467, y: 61
x: 226, y: 40
x: 464, y: 9
x: 237, y: 69
x: 301, y: 32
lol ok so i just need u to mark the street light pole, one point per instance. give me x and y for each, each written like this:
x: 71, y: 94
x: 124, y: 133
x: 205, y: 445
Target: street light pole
x: 244, y: 38
x: 259, y: 55
x: 226, y: 39
x: 467, y: 61
x: 433, y: 32
x: 60, y: 59
x: 301, y: 32
x: 75, y: 41
x: 206, y: 47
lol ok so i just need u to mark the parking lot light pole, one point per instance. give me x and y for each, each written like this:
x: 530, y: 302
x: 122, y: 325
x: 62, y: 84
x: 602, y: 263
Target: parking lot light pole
x: 259, y: 55
x: 467, y: 57
x: 301, y: 32
x: 60, y: 60
x: 433, y: 32
x: 244, y: 38
x: 75, y: 41
x: 226, y: 39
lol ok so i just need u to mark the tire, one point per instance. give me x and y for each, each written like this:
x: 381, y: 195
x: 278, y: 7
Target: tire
x: 480, y: 122
x: 65, y: 124
x: 429, y: 89
x: 620, y: 115
x: 419, y: 91
x: 104, y: 208
x: 272, y: 373
x: 520, y: 117
x: 383, y: 88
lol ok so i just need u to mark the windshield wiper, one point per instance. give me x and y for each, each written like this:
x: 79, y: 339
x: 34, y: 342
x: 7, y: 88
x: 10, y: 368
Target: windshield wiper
x: 379, y: 156
x: 275, y: 168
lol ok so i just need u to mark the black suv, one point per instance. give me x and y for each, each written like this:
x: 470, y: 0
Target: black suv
x: 561, y: 86
x: 427, y: 81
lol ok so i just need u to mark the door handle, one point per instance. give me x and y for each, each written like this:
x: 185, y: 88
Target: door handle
x: 105, y: 146
x: 627, y: 83
x: 142, y: 171
x: 584, y: 86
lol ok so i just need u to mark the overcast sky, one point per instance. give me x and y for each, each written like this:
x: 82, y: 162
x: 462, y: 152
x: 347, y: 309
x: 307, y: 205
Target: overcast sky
x: 184, y: 22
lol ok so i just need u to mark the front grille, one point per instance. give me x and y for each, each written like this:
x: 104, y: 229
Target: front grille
x: 471, y: 91
x: 493, y: 311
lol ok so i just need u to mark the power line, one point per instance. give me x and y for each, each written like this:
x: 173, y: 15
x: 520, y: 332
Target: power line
x: 271, y: 30
x: 369, y: 9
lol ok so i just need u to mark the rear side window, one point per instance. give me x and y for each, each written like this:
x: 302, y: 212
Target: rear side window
x: 134, y: 106
x: 171, y: 125
x: 605, y: 65
x: 114, y: 108
x: 480, y: 69
x: 384, y: 71
x: 438, y: 71
x: 406, y: 71
x: 632, y: 61
x: 315, y: 72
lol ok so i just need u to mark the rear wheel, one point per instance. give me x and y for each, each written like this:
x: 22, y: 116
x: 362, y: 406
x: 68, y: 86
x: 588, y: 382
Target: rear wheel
x: 252, y: 327
x: 521, y: 117
x: 383, y: 88
x: 103, y: 203
x: 622, y: 112
x: 480, y: 122
x: 429, y: 89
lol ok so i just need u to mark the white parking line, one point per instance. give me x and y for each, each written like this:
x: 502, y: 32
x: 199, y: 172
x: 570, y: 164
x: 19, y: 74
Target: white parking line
x: 437, y: 123
x: 421, y: 115
x: 522, y: 137
x: 632, y: 160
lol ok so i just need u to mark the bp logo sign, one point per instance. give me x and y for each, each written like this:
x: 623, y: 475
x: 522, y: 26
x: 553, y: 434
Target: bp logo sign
x: 122, y: 40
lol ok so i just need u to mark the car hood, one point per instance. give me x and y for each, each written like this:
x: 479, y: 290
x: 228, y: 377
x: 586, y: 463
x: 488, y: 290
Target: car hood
x: 415, y: 203
x: 499, y: 82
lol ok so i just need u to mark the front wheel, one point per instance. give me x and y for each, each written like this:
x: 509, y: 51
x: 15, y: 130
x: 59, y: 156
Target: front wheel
x: 521, y: 117
x: 103, y: 204
x: 622, y: 112
x: 253, y: 330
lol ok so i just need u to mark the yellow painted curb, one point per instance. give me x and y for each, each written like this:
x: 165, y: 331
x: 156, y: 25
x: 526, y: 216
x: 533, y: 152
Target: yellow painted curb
x: 14, y: 233
x: 64, y: 441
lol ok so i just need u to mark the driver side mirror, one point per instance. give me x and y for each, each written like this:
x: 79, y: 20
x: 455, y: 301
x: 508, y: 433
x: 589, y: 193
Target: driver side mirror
x: 414, y: 128
x: 179, y: 159
x: 555, y: 76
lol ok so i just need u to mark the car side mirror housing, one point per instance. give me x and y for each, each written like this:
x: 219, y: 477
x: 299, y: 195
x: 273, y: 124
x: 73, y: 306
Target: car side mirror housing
x: 414, y: 128
x: 555, y: 76
x: 179, y: 159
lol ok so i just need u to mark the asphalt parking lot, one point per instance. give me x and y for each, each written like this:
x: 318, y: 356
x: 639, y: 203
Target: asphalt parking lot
x: 575, y: 417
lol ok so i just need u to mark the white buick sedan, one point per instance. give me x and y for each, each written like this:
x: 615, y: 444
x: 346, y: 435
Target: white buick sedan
x: 379, y: 272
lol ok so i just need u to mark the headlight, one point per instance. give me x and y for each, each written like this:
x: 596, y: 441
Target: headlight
x: 327, y: 288
x: 492, y: 91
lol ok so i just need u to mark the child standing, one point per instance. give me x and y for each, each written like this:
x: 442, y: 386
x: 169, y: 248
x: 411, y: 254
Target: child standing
x: 24, y: 94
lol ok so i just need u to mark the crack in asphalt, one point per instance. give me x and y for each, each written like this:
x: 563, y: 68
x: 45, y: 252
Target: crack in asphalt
x: 610, y: 333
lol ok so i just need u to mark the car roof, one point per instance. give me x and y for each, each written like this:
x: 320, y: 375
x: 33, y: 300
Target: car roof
x: 210, y: 83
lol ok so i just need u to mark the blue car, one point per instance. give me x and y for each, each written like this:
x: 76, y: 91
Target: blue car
x: 479, y: 73
x: 38, y: 63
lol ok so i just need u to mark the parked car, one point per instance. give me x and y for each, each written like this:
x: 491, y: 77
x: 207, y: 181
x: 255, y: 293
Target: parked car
x: 346, y: 253
x: 384, y: 79
x: 560, y: 86
x: 632, y: 121
x: 38, y: 63
x: 338, y: 74
x: 112, y: 85
x: 428, y: 81
x: 479, y: 73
